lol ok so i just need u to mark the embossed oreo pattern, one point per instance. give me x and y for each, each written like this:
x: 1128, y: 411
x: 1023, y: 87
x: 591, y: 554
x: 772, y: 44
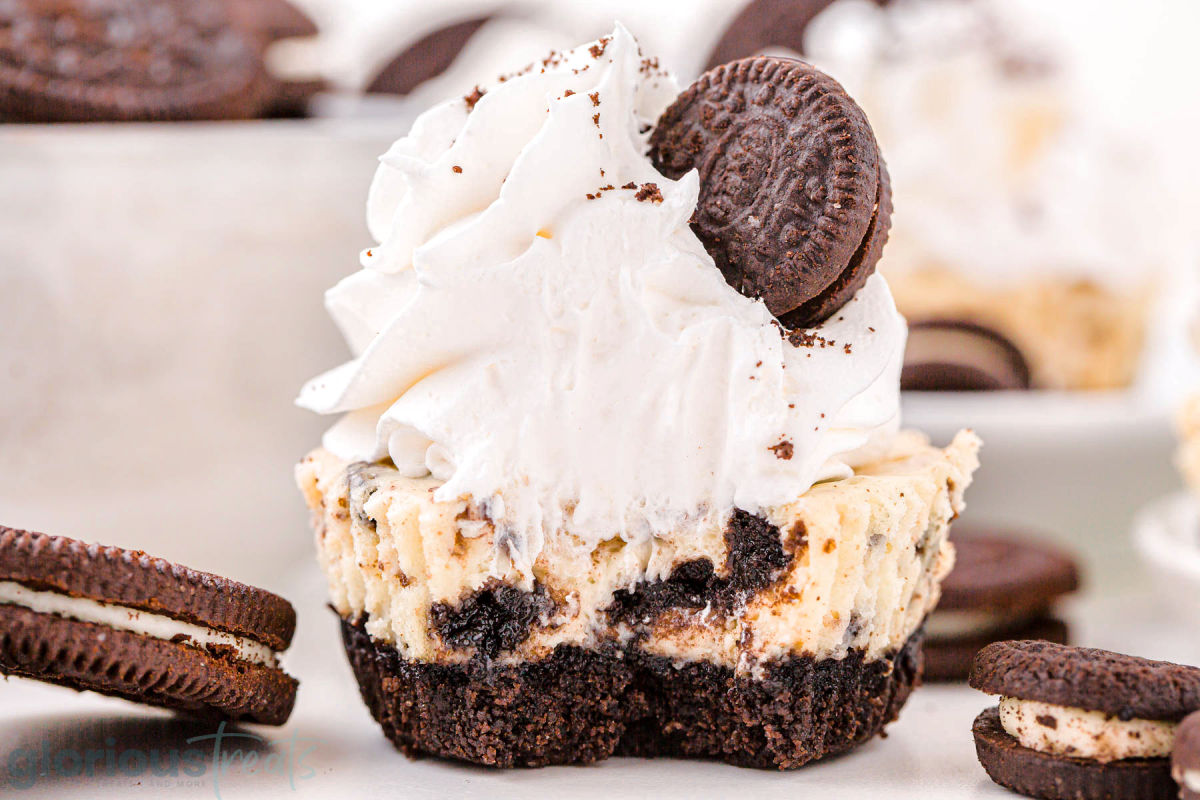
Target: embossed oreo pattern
x: 794, y: 201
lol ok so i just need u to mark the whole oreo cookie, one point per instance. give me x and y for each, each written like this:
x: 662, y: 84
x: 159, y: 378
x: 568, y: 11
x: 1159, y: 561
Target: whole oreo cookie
x: 1081, y: 724
x: 124, y: 624
x: 426, y: 58
x: 129, y: 60
x: 950, y: 355
x: 795, y: 202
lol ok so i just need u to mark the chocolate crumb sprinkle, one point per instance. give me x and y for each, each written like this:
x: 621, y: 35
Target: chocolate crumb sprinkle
x: 783, y: 451
x: 649, y: 192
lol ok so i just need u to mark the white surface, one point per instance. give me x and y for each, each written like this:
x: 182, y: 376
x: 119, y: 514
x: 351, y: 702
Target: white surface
x: 160, y: 289
x: 928, y: 755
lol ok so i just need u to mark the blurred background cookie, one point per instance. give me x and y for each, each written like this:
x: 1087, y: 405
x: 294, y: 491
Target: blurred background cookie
x: 135, y: 60
x: 1002, y: 587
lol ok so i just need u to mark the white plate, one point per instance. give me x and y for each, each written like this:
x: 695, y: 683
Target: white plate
x: 1075, y: 466
x: 1167, y: 534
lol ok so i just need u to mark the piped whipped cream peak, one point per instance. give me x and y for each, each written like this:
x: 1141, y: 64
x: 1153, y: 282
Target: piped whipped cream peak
x: 1000, y: 167
x: 539, y: 328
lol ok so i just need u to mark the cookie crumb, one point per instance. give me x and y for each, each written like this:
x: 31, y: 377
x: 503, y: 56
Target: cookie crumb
x: 456, y: 169
x: 474, y: 97
x: 783, y: 451
x: 649, y: 192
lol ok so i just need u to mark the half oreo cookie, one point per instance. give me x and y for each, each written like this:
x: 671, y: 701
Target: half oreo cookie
x: 795, y: 200
x: 122, y: 623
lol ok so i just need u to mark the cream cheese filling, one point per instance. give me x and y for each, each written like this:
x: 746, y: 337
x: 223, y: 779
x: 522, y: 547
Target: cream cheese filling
x: 1083, y: 733
x: 132, y: 620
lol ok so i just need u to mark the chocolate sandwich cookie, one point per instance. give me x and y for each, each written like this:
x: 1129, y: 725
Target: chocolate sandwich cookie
x: 122, y: 623
x: 1080, y: 724
x: 425, y: 59
x: 961, y: 356
x: 795, y: 201
x: 1185, y: 758
x: 1002, y: 587
x: 764, y: 24
x: 131, y: 60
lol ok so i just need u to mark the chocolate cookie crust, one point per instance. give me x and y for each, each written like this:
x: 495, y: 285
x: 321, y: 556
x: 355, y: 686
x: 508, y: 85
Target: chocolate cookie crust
x: 174, y: 675
x: 794, y: 201
x: 132, y: 578
x: 581, y: 706
x: 1052, y: 777
x: 1127, y: 687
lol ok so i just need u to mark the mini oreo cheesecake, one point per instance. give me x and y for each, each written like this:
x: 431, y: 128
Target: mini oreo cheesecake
x: 999, y: 163
x: 619, y: 469
x: 1081, y: 724
x: 122, y: 623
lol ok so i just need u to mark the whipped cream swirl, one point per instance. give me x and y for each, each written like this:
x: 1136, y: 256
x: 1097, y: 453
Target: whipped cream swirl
x: 540, y: 329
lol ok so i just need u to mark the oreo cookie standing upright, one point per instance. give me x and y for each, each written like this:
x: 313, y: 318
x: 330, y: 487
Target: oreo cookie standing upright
x: 795, y: 201
x: 1080, y: 724
x: 122, y: 623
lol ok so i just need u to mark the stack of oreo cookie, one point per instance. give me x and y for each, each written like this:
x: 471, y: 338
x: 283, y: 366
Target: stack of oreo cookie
x: 1002, y: 587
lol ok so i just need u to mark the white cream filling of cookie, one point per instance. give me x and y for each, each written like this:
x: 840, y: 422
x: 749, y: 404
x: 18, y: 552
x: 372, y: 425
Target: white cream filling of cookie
x: 956, y: 624
x: 1082, y: 733
x: 1191, y: 780
x: 132, y: 620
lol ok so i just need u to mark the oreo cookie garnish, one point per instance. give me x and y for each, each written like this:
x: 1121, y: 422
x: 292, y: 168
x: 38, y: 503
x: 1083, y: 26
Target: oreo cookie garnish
x: 961, y: 356
x: 132, y: 60
x: 795, y: 203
